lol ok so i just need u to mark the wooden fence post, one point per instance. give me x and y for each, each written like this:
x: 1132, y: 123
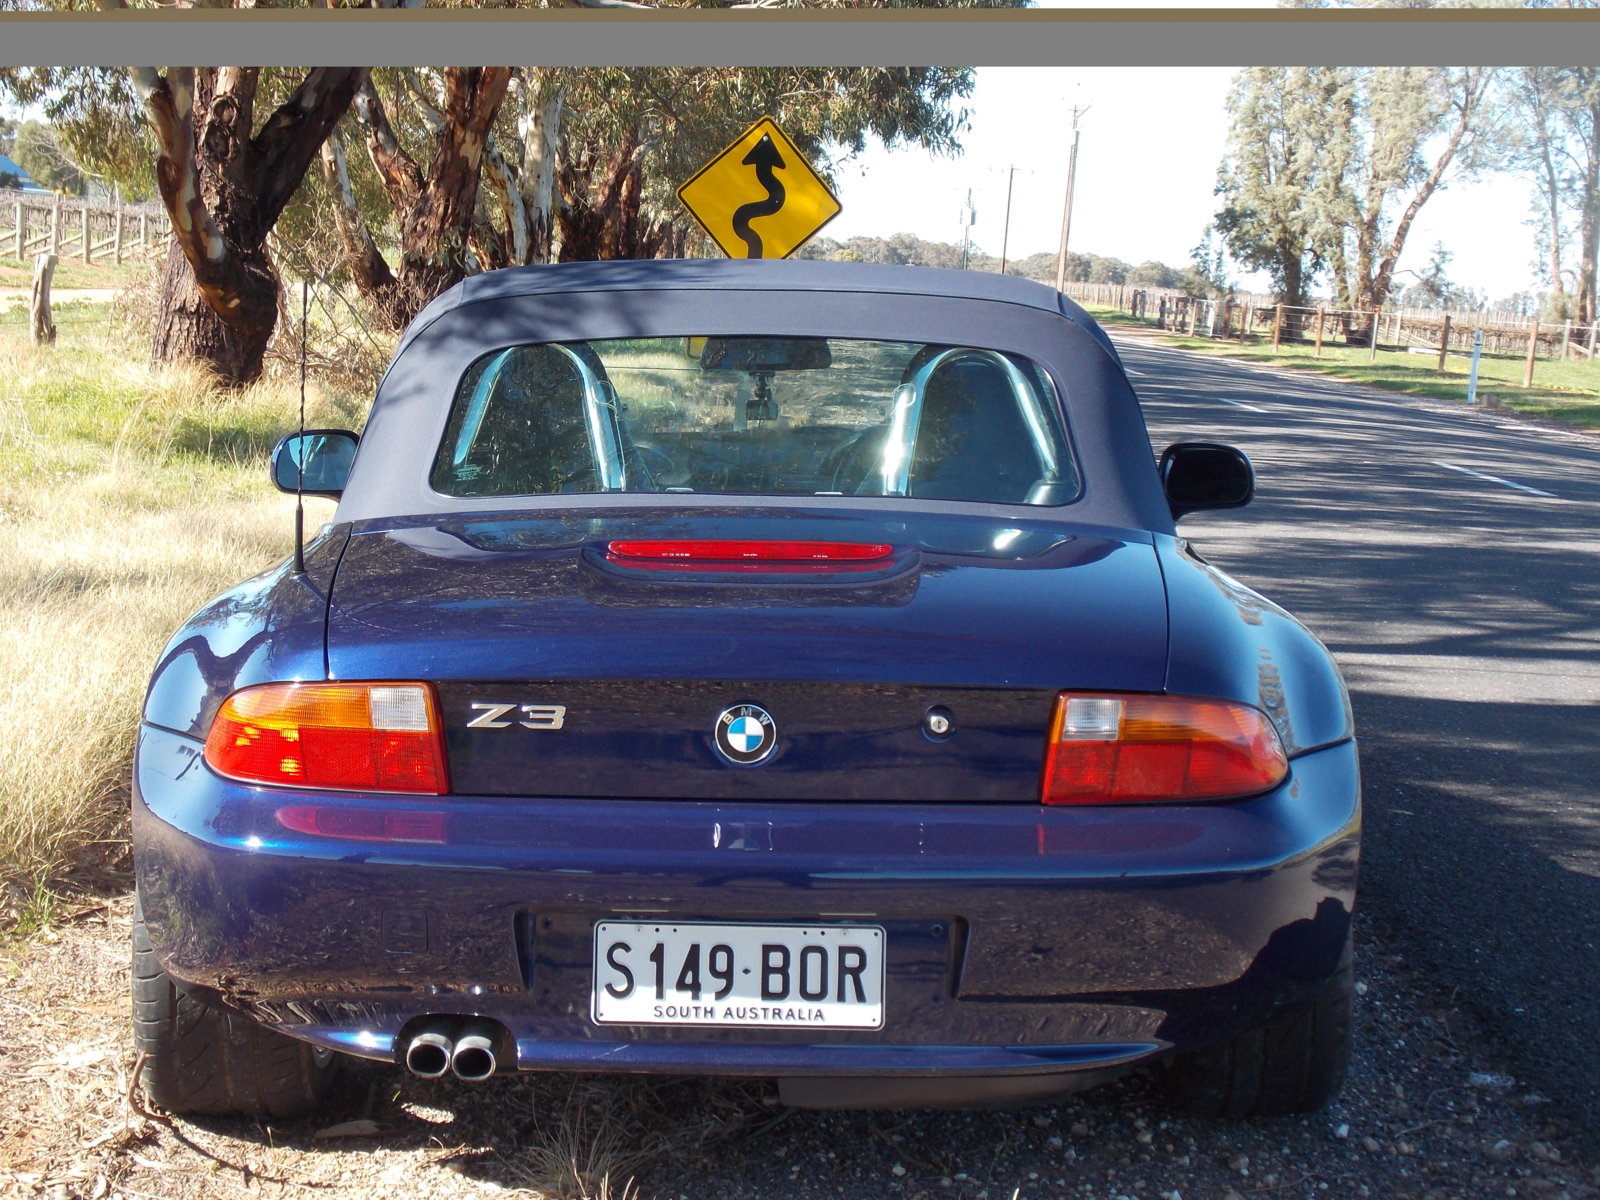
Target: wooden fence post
x: 1377, y: 329
x: 1566, y: 340
x: 55, y: 226
x: 88, y: 252
x: 22, y: 230
x: 116, y: 238
x: 1533, y: 346
x: 1244, y: 324
x: 42, y: 328
x: 1277, y: 327
x: 1444, y: 341
x: 1320, y: 314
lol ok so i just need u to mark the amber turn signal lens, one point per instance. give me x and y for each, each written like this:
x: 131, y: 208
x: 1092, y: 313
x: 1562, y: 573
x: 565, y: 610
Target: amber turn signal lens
x: 378, y: 737
x: 1111, y: 749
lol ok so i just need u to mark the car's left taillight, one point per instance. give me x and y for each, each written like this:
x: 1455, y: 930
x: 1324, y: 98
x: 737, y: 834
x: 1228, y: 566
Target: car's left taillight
x: 368, y: 737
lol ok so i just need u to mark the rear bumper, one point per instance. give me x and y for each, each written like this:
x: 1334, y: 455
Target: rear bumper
x: 1021, y: 941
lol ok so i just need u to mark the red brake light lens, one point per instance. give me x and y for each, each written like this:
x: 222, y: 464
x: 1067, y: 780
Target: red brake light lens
x: 378, y: 737
x: 1141, y: 749
x: 722, y: 554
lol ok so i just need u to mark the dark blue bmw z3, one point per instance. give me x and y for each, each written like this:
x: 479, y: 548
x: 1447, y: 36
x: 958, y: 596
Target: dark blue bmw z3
x: 749, y: 669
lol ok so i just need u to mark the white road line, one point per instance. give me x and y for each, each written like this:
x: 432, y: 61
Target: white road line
x: 1521, y: 487
x: 1242, y: 404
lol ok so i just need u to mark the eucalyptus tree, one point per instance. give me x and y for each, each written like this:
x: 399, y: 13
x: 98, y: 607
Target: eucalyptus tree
x: 1329, y: 169
x: 1556, y: 139
x: 1289, y: 146
x: 434, y: 204
x: 1416, y: 127
x: 223, y: 175
x: 583, y: 163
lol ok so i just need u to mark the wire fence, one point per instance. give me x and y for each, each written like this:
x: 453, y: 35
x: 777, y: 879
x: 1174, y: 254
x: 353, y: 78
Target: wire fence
x: 1422, y: 332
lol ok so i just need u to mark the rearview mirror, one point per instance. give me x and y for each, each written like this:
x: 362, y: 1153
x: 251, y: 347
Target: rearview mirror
x: 316, y: 462
x: 1197, y: 475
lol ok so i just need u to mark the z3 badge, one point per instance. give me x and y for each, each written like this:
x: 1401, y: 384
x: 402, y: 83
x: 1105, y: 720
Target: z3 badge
x: 745, y: 734
x: 533, y: 716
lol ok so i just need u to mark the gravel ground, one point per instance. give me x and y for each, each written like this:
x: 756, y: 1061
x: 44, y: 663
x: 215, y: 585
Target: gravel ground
x: 1433, y: 1110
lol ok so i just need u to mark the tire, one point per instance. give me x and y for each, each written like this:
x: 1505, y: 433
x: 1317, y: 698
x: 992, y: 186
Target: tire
x: 1294, y: 1064
x: 203, y: 1059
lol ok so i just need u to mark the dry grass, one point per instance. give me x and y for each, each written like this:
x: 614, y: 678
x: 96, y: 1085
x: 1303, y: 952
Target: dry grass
x: 126, y: 500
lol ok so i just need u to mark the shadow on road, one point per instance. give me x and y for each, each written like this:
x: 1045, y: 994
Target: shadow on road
x: 1466, y: 615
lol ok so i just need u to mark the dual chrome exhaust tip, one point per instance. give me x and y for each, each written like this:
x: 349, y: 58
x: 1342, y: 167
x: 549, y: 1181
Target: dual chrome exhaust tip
x: 466, y: 1047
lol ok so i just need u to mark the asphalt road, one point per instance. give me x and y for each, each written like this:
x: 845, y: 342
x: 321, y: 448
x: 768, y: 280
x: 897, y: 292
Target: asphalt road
x: 1451, y: 559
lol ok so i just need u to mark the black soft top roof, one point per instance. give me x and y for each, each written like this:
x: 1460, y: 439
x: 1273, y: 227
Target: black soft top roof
x: 722, y: 274
x: 688, y: 297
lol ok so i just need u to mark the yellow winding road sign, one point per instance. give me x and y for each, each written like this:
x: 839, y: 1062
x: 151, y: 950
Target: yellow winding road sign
x: 759, y: 198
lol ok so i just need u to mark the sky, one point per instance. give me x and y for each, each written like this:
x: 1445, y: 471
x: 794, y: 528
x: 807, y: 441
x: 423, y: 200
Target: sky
x: 1150, y: 143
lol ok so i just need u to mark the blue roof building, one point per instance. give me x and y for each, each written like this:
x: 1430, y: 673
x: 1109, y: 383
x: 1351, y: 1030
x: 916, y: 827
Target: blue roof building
x: 9, y: 167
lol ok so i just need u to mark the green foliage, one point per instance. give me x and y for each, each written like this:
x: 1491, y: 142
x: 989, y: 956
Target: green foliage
x: 40, y: 153
x: 1288, y: 151
x: 1155, y: 275
x: 1327, y: 168
x: 1433, y: 289
x: 677, y: 118
x: 96, y: 117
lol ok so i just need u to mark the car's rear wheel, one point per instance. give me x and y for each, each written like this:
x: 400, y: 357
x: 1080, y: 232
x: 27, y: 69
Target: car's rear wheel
x: 1295, y: 1064
x: 204, y: 1059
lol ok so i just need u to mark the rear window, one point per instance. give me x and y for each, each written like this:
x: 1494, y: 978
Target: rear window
x: 757, y: 416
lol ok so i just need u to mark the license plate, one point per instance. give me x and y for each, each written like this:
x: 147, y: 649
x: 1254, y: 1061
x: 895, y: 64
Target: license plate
x: 770, y: 976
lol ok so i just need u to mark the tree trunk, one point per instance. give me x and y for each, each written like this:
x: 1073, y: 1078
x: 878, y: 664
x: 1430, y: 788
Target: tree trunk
x: 224, y: 186
x: 1590, y: 222
x: 41, y: 323
x: 540, y: 127
x: 600, y: 203
x: 187, y: 327
x: 435, y: 209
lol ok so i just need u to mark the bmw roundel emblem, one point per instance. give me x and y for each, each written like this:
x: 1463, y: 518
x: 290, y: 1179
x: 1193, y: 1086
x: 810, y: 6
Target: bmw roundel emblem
x: 746, y: 734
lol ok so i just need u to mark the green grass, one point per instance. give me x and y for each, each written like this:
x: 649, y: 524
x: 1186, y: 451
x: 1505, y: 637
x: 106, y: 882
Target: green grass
x: 1566, y: 393
x: 72, y: 273
x: 127, y: 499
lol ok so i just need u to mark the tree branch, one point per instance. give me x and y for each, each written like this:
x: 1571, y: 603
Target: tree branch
x: 426, y: 108
x: 169, y: 105
x: 602, y: 4
x: 498, y: 175
x: 366, y: 262
x: 401, y: 178
x: 292, y: 135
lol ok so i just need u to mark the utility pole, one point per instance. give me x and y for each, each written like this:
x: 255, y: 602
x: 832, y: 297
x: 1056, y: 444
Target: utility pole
x: 1005, y: 237
x: 969, y: 217
x: 1066, y: 213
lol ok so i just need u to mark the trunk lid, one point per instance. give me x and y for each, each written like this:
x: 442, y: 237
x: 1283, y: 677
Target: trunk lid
x: 563, y: 671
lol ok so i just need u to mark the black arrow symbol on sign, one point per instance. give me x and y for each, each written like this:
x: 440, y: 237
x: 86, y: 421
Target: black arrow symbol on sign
x: 765, y: 159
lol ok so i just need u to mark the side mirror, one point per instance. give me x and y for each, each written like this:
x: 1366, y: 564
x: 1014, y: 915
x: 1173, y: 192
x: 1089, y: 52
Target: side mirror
x: 316, y: 462
x: 1198, y: 475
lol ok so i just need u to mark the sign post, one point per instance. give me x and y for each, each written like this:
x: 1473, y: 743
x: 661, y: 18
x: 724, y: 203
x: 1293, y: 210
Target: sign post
x: 1472, y: 379
x: 759, y: 198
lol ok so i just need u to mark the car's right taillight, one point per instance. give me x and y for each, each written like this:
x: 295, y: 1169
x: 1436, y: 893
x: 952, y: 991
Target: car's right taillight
x: 1130, y: 749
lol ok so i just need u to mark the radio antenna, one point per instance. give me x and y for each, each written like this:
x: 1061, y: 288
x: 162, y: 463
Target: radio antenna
x: 300, y: 444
